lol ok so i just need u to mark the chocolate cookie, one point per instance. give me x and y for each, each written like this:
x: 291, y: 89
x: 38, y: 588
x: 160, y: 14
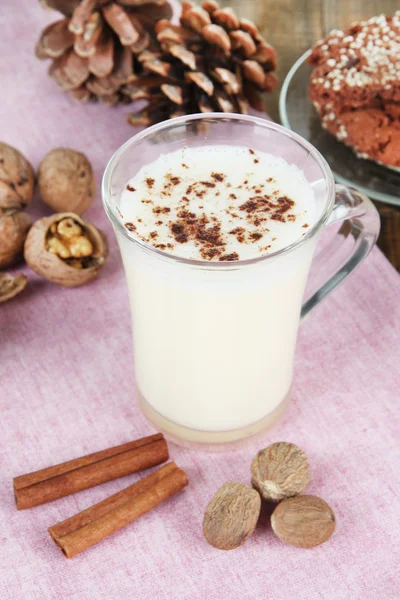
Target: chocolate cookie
x: 355, y: 87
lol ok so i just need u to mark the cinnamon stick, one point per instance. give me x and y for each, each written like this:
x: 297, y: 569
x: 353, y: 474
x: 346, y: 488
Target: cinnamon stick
x: 88, y: 471
x: 101, y: 508
x: 76, y: 534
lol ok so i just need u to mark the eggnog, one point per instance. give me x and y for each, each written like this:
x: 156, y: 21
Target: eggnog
x: 214, y: 337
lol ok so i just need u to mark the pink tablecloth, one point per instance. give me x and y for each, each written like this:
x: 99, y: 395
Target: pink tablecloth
x: 66, y: 389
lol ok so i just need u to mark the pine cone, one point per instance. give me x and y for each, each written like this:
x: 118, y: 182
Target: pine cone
x: 212, y: 62
x: 93, y: 47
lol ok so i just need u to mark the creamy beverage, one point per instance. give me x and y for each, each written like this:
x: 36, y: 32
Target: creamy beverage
x: 213, y: 341
x: 217, y: 217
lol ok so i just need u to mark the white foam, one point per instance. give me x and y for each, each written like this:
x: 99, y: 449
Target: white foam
x: 245, y: 175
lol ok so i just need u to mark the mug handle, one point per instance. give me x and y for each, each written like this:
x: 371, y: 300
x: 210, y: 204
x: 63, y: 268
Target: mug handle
x: 360, y: 230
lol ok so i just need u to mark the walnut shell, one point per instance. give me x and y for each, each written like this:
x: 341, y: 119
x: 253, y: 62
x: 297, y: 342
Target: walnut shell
x: 231, y: 516
x: 14, y: 226
x: 303, y: 521
x: 56, y: 269
x: 66, y: 181
x: 11, y: 285
x: 279, y: 471
x: 17, y: 178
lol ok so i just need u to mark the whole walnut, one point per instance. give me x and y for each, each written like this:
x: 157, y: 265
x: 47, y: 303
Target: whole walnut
x: 17, y: 178
x: 66, y: 181
x: 14, y: 226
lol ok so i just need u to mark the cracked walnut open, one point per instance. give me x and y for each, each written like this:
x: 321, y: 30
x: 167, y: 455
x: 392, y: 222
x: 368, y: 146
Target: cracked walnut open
x: 66, y: 249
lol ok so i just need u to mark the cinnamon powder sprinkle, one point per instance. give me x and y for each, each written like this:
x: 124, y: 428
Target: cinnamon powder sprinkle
x: 150, y: 182
x: 179, y: 232
x: 278, y: 210
x: 208, y: 184
x: 205, y: 231
x: 239, y: 233
x: 206, y: 235
x: 158, y: 210
x: 251, y: 151
x: 229, y: 257
x: 218, y: 176
x: 190, y: 217
x: 210, y: 253
x: 249, y: 206
x: 164, y: 246
x: 130, y: 188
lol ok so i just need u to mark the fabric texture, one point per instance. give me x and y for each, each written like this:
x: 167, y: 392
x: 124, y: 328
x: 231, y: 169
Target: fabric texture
x: 67, y: 389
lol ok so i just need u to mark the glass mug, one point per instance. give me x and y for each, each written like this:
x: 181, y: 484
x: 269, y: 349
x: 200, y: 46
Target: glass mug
x: 214, y: 343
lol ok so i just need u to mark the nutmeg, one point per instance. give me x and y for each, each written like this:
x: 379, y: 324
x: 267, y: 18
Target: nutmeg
x: 231, y: 516
x: 11, y: 285
x: 66, y: 249
x: 66, y: 181
x: 279, y: 471
x: 303, y: 521
x: 14, y: 226
x: 17, y: 178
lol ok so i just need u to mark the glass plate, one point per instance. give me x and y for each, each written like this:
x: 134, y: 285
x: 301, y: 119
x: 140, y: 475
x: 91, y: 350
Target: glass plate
x: 297, y: 113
